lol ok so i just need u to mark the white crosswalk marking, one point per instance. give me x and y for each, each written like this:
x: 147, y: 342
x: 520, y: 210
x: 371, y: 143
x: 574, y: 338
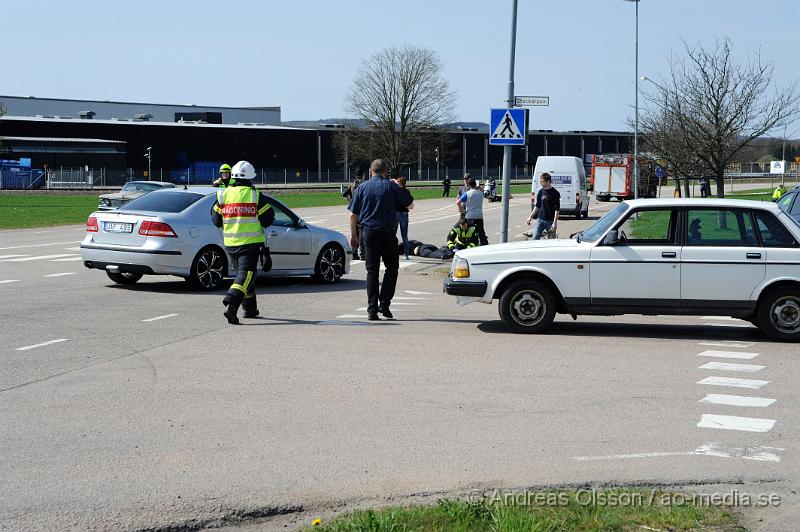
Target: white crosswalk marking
x: 409, y: 298
x: 418, y: 293
x: 161, y: 317
x: 763, y: 454
x: 69, y: 259
x: 729, y: 343
x: 39, y: 257
x: 12, y: 256
x: 750, y: 384
x: 746, y: 424
x: 363, y: 309
x: 41, y: 245
x: 728, y: 366
x: 9, y: 281
x: 737, y: 400
x: 728, y: 354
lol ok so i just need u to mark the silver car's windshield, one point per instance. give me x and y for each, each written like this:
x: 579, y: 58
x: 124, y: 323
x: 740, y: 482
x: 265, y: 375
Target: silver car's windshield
x: 597, y: 229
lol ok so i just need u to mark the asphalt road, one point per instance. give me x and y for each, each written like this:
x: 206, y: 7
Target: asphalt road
x: 139, y: 407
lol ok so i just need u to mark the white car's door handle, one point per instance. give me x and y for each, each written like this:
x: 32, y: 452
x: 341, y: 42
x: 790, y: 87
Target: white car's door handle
x: 669, y: 254
x: 754, y: 255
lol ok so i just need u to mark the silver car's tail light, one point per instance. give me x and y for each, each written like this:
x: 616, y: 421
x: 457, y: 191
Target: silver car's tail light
x: 91, y: 225
x: 149, y: 228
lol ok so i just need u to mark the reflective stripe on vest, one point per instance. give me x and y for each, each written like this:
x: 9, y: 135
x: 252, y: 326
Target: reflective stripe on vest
x: 240, y: 225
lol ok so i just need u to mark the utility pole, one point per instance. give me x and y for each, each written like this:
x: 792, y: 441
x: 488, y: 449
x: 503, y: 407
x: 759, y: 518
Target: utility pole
x: 507, y: 149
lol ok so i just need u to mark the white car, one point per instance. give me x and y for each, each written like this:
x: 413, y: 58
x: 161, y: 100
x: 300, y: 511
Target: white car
x: 656, y: 256
x: 169, y: 232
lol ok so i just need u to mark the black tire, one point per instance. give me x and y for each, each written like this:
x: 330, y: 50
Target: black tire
x: 124, y: 277
x: 779, y: 313
x: 209, y: 269
x: 527, y: 307
x: 330, y: 264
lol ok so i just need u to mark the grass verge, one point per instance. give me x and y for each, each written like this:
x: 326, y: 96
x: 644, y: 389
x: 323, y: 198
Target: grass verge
x: 44, y: 210
x: 614, y: 509
x: 34, y: 210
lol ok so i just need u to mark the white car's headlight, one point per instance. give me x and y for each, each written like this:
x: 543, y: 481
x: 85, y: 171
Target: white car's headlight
x: 460, y: 268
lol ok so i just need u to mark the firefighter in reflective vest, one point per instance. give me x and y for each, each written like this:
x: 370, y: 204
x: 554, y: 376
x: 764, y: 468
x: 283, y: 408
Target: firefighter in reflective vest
x: 242, y: 212
x: 224, y: 178
x: 779, y: 192
x: 463, y: 235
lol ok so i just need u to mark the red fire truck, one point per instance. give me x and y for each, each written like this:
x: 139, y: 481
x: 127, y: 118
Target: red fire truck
x: 612, y: 177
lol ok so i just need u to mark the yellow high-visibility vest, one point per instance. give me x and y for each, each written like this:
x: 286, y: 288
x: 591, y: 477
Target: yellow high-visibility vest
x: 239, y: 209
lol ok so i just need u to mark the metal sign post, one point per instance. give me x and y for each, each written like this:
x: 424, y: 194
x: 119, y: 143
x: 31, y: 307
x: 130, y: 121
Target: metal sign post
x: 507, y: 149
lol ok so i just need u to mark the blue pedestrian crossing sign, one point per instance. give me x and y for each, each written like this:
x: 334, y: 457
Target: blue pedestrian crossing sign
x: 508, y: 127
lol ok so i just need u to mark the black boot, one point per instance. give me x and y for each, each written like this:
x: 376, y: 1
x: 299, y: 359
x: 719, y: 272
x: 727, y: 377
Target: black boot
x: 230, y: 314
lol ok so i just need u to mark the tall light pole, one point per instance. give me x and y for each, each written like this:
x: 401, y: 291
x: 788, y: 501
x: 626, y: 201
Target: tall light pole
x: 507, y: 149
x: 636, y: 126
x: 149, y: 163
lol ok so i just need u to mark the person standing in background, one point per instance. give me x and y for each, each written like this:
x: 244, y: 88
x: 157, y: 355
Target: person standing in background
x: 402, y: 217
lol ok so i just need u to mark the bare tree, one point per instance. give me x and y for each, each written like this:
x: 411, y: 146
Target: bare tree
x: 711, y: 108
x: 400, y: 94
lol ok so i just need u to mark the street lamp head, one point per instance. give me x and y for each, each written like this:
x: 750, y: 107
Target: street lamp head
x: 645, y: 78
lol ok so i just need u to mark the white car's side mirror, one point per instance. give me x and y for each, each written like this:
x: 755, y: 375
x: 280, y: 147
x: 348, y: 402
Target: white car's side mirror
x: 611, y: 238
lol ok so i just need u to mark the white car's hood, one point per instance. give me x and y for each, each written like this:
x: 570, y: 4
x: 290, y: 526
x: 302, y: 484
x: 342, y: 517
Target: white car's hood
x: 528, y: 245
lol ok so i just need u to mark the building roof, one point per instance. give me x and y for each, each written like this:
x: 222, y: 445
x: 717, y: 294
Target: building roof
x: 249, y: 108
x: 150, y: 123
x: 61, y: 139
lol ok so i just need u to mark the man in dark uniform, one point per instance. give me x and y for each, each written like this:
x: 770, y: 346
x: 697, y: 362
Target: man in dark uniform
x: 242, y: 212
x: 373, y: 219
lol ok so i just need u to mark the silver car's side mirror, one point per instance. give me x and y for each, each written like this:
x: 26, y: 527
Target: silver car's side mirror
x: 301, y: 223
x: 612, y: 238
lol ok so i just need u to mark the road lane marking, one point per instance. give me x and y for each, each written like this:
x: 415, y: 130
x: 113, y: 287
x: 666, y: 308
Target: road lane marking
x: 7, y: 281
x: 162, y: 317
x: 750, y: 384
x: 50, y: 342
x: 736, y: 400
x: 73, y: 249
x: 633, y: 455
x: 745, y: 424
x: 363, y: 309
x: 39, y: 257
x: 60, y: 274
x: 728, y: 354
x: 350, y: 316
x: 731, y: 343
x: 410, y: 298
x: 42, y: 245
x: 70, y: 259
x: 12, y: 256
x: 728, y: 366
x: 764, y: 454
x: 418, y: 293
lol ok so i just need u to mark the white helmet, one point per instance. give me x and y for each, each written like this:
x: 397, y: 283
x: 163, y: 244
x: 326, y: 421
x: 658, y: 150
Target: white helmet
x: 243, y: 170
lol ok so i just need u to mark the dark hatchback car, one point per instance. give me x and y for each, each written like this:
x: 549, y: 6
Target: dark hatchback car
x: 790, y: 203
x: 130, y: 191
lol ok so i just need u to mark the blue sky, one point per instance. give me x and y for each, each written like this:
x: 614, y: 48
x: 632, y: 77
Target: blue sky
x: 303, y: 55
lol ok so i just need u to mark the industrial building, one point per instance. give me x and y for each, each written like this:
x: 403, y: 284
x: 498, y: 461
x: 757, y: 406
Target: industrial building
x: 122, y: 141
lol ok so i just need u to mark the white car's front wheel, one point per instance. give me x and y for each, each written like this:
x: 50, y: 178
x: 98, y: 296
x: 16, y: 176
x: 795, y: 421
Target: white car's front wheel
x: 527, y: 307
x: 779, y: 313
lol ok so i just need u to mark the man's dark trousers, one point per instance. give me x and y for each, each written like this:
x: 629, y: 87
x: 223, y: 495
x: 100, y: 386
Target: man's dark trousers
x: 478, y: 223
x: 380, y: 245
x: 243, y: 290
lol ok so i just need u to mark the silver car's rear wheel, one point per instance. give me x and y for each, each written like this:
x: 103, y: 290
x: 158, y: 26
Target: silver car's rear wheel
x: 330, y: 264
x: 209, y: 269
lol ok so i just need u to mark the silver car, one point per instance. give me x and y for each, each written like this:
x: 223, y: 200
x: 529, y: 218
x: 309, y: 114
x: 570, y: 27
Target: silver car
x: 130, y: 191
x: 169, y: 232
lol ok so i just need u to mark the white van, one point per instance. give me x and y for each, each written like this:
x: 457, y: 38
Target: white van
x: 569, y: 178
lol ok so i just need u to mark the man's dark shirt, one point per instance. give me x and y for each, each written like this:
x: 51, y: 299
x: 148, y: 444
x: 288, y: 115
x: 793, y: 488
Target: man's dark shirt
x: 377, y: 201
x: 548, y: 200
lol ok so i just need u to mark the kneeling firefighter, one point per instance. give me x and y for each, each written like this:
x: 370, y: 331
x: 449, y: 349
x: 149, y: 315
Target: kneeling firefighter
x: 242, y: 212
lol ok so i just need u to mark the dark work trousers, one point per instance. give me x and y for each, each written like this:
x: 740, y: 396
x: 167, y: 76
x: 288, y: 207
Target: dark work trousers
x: 380, y: 245
x: 243, y: 290
x: 446, y: 192
x: 478, y: 223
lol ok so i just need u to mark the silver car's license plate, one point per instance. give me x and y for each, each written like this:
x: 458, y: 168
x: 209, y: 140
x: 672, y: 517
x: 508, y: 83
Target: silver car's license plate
x: 117, y: 227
